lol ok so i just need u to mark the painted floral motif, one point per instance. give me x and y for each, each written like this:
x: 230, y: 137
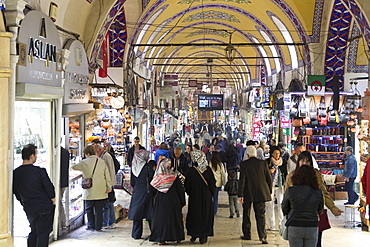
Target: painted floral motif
x: 234, y: 1
x: 209, y: 32
x: 211, y: 14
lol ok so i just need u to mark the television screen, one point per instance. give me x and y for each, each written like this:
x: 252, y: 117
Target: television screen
x: 210, y: 102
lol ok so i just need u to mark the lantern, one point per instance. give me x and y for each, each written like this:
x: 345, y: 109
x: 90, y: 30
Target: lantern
x: 359, y: 136
x: 119, y: 134
x: 126, y: 115
x: 129, y: 120
x: 121, y: 111
x: 350, y: 123
x: 353, y: 116
x: 230, y: 51
x: 123, y: 129
x: 353, y: 130
x: 128, y: 125
x: 360, y: 109
x: 119, y: 140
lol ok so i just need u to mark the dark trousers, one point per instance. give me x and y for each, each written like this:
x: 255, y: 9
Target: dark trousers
x: 352, y: 195
x: 319, y: 237
x: 259, y: 212
x: 94, y: 212
x: 41, y: 224
x: 137, y: 229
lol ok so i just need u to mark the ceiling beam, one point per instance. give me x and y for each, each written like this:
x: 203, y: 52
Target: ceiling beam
x: 219, y: 44
x: 230, y: 65
x: 148, y: 58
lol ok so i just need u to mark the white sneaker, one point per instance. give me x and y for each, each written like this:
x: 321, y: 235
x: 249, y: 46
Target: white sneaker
x: 113, y: 226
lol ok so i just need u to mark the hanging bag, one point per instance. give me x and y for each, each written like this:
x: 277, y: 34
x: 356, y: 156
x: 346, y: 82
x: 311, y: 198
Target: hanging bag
x: 332, y: 120
x: 286, y: 222
x: 313, y: 109
x: 87, y: 183
x: 302, y: 107
x: 294, y: 109
x: 322, y: 107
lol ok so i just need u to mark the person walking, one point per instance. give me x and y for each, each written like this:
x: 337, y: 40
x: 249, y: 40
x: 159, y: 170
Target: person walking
x: 141, y: 203
x: 302, y: 204
x: 96, y: 196
x: 305, y: 158
x: 232, y: 187
x: 278, y: 169
x: 33, y: 189
x: 232, y: 157
x: 200, y: 185
x: 161, y: 151
x: 167, y: 224
x: 218, y: 170
x: 255, y: 186
x: 350, y: 174
x: 131, y: 151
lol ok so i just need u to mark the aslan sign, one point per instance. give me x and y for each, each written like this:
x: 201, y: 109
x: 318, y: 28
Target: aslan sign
x: 40, y: 50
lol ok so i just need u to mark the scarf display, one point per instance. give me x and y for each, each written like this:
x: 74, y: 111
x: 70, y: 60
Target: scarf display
x: 199, y: 157
x: 277, y: 179
x: 141, y: 157
x: 164, y: 176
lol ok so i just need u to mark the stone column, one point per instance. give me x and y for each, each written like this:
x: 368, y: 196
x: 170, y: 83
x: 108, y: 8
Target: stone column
x: 5, y: 74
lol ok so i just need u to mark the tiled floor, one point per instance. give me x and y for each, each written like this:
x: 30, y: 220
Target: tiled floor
x: 227, y: 232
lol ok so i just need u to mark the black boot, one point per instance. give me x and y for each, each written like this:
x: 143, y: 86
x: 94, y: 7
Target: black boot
x: 203, y: 240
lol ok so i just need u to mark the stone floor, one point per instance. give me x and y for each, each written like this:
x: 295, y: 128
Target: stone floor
x: 227, y: 232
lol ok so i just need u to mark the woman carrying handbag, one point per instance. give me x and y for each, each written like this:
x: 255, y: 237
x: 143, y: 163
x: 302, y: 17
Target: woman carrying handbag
x: 303, y: 203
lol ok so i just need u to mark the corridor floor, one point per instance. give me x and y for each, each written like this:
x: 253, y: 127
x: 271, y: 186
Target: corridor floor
x: 227, y: 232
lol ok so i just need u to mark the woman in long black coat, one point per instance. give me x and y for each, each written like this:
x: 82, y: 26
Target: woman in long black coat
x: 141, y: 204
x: 167, y: 224
x: 200, y: 185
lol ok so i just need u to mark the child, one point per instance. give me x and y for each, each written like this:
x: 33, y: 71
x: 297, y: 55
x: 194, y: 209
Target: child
x: 232, y: 190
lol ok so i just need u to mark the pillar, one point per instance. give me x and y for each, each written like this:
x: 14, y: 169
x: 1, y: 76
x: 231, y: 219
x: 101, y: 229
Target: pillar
x: 5, y: 74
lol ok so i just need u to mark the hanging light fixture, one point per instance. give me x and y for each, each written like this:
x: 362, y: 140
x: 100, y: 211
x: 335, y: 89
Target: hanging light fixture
x: 126, y: 115
x: 230, y: 50
x: 129, y: 120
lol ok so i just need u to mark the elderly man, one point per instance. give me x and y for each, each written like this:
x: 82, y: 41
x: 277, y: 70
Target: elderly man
x: 350, y: 174
x: 255, y: 186
x: 293, y: 160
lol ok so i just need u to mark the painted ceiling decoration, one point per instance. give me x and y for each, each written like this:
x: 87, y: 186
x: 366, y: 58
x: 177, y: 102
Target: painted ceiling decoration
x: 117, y: 39
x: 260, y: 22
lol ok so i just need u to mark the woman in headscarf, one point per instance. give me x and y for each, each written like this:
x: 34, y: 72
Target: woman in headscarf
x: 142, y: 198
x: 167, y: 222
x: 200, y: 185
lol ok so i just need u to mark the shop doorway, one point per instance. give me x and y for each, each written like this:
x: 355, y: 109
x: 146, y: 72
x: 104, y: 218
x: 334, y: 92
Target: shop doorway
x: 32, y: 124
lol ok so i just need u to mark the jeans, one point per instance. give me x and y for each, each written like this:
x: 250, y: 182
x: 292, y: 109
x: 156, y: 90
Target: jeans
x: 94, y: 212
x: 233, y: 203
x: 215, y: 200
x: 41, y: 224
x: 302, y: 236
x: 352, y: 195
x: 278, y: 193
x: 259, y: 212
x: 109, y: 216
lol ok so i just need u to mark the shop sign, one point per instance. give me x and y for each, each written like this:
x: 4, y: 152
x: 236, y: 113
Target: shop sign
x: 76, y: 74
x: 284, y: 122
x: 40, y: 60
x: 287, y: 101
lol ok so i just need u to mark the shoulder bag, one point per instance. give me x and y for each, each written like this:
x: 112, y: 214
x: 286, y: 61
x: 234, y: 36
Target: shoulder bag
x: 87, y: 182
x: 286, y: 222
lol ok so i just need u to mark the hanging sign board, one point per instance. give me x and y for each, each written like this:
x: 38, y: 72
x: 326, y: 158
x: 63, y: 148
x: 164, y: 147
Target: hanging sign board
x: 39, y: 51
x: 76, y: 74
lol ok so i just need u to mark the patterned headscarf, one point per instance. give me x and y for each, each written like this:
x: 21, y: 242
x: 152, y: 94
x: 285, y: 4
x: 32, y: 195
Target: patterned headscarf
x: 141, y: 157
x: 164, y: 176
x: 199, y: 157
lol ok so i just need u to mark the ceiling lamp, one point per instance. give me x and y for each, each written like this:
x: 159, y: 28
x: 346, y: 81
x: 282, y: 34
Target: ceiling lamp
x: 230, y: 50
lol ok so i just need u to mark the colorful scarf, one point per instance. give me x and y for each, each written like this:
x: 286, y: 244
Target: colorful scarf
x: 164, y: 176
x: 141, y: 157
x: 276, y: 176
x: 198, y: 156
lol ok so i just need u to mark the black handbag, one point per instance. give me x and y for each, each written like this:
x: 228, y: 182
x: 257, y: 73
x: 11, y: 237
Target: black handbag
x: 112, y: 196
x: 322, y: 107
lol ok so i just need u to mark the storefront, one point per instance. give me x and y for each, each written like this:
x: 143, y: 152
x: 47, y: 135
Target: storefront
x: 75, y: 106
x: 37, y: 109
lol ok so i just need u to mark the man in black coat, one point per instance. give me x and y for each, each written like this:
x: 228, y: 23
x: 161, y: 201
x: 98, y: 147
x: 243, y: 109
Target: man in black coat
x: 131, y: 151
x: 254, y: 187
x: 178, y: 161
x: 34, y: 190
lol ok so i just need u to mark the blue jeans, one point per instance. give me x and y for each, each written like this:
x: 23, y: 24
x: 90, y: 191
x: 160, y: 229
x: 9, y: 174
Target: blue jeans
x: 233, y: 203
x: 109, y: 216
x: 215, y: 200
x: 302, y: 236
x: 352, y: 195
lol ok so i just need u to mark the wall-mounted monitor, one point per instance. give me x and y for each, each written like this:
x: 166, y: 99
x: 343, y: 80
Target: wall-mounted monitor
x: 210, y: 102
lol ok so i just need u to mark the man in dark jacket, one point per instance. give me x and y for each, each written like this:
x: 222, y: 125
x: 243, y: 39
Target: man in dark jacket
x: 131, y: 151
x: 178, y: 161
x: 34, y: 190
x: 254, y: 187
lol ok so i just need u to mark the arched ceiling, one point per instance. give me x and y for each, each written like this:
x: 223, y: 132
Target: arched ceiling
x: 177, y: 22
